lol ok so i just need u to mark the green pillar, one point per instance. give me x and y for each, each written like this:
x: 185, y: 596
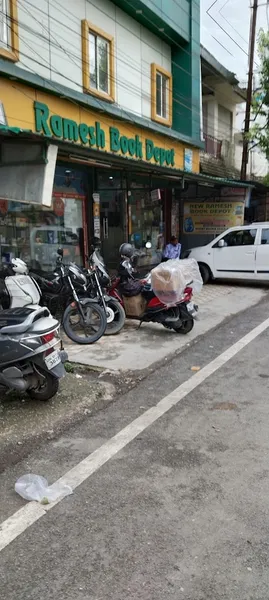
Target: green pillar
x: 186, y: 79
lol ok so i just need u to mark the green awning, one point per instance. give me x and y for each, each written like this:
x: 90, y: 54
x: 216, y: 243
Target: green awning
x: 7, y: 129
x: 217, y: 180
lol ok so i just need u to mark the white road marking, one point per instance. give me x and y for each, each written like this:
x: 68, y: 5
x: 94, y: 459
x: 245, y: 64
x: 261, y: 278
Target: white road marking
x: 32, y: 512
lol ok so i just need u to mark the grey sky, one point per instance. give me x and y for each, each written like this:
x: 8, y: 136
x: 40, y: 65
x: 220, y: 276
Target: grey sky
x: 233, y: 16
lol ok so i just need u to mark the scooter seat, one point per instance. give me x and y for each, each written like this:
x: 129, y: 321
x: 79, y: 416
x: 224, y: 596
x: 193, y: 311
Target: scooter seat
x: 18, y: 320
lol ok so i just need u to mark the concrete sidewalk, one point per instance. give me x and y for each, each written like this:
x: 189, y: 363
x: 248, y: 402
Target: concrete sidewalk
x: 137, y: 350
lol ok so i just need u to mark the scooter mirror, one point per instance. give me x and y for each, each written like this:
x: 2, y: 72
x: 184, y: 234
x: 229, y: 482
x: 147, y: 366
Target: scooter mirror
x: 60, y: 252
x: 148, y: 245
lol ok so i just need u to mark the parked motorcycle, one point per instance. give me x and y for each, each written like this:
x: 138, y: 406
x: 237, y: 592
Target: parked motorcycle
x: 29, y: 361
x: 179, y: 317
x: 65, y: 294
x: 99, y: 282
x: 115, y: 315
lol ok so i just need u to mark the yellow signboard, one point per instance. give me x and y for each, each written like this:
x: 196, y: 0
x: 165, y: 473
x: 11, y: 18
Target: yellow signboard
x: 212, y: 217
x: 62, y: 119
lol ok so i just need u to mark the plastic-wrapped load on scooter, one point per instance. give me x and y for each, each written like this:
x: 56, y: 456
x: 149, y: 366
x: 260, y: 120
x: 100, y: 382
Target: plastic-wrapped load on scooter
x: 169, y: 279
x: 192, y: 274
x: 168, y: 282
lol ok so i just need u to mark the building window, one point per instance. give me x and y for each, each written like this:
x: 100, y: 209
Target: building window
x: 162, y: 92
x: 98, y: 62
x: 9, y: 35
x: 161, y: 95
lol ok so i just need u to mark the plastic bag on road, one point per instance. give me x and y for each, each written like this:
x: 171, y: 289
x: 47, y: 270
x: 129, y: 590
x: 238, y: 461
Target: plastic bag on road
x: 34, y: 487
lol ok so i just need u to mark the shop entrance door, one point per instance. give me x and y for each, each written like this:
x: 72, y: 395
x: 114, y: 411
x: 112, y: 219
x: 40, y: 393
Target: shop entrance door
x: 113, y: 225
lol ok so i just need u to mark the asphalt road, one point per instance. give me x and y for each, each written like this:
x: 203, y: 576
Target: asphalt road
x: 182, y: 510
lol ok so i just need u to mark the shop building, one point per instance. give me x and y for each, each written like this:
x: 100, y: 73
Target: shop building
x: 100, y: 122
x: 217, y: 199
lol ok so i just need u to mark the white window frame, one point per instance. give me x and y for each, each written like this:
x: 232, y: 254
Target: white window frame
x: 164, y: 81
x: 96, y: 57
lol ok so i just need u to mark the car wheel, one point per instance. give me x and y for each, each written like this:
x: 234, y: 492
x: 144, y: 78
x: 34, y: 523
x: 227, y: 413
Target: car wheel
x: 205, y: 273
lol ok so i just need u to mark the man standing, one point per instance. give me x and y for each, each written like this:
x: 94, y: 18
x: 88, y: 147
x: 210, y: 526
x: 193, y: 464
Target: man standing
x: 172, y: 250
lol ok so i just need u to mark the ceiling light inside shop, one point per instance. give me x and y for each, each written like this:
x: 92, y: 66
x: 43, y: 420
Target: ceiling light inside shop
x: 88, y: 161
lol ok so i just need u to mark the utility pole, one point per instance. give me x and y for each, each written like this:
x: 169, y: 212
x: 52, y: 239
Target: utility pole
x: 252, y: 37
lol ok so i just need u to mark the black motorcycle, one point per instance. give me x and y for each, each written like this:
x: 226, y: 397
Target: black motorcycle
x: 64, y: 292
x: 98, y: 282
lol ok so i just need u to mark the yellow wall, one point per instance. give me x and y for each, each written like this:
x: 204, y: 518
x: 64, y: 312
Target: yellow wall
x: 18, y: 101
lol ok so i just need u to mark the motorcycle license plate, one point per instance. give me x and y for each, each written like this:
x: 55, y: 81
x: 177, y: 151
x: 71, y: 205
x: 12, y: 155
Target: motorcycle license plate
x: 52, y: 360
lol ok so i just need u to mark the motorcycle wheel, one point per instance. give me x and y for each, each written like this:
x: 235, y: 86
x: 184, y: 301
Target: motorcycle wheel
x: 47, y: 389
x: 119, y: 318
x: 86, y: 331
x: 185, y: 327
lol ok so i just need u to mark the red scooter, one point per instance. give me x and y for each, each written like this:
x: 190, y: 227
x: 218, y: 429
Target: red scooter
x: 142, y: 304
x: 179, y: 317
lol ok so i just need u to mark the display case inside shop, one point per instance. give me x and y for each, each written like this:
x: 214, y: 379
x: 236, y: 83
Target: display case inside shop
x: 146, y: 224
x: 34, y: 234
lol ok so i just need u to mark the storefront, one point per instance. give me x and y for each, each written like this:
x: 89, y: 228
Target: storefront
x: 112, y: 178
x: 209, y: 207
x: 33, y: 232
x: 132, y: 208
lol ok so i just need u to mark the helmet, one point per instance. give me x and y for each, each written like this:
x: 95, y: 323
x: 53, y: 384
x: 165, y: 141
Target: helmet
x: 126, y: 250
x: 19, y: 266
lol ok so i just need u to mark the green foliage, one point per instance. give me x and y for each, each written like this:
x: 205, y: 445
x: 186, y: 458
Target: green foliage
x: 266, y: 180
x: 259, y: 132
x: 69, y: 367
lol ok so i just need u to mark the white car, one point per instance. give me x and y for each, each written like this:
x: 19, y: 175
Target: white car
x: 238, y: 253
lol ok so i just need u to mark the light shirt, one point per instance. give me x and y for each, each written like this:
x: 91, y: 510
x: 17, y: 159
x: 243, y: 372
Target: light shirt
x: 172, y: 251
